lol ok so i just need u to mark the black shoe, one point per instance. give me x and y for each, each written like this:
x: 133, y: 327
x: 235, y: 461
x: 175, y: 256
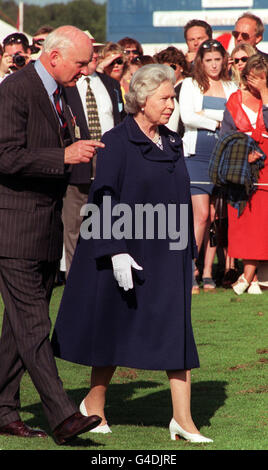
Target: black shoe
x: 73, y: 426
x: 20, y: 429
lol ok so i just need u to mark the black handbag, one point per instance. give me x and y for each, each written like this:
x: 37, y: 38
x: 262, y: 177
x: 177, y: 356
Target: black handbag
x: 218, y: 230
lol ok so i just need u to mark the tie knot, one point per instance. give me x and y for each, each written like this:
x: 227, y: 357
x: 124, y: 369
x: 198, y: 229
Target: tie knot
x: 57, y: 92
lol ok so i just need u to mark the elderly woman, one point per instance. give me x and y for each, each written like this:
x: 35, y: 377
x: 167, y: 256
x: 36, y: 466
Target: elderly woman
x: 247, y: 111
x: 202, y: 102
x: 175, y: 59
x: 127, y: 300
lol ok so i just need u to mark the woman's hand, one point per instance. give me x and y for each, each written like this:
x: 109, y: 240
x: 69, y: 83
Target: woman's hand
x: 254, y: 156
x: 259, y: 82
x: 107, y: 61
x: 122, y: 267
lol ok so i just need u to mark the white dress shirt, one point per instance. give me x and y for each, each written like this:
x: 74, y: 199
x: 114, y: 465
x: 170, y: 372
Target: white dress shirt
x: 103, y: 100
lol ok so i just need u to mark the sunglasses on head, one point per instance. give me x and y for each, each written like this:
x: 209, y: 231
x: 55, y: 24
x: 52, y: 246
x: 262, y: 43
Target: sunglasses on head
x: 245, y: 36
x: 15, y: 39
x: 117, y: 61
x: 243, y: 59
x: 210, y: 43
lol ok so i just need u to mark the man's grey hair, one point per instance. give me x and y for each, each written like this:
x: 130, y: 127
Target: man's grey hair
x: 62, y: 38
x: 258, y: 21
x: 144, y: 83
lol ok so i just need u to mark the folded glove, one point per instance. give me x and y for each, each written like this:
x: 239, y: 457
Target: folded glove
x: 122, y: 265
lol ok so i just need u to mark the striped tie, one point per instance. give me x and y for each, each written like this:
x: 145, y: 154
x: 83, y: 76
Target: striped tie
x: 56, y: 96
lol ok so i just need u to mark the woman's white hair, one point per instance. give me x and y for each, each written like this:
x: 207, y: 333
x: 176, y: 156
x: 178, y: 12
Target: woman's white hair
x: 144, y: 83
x: 62, y: 38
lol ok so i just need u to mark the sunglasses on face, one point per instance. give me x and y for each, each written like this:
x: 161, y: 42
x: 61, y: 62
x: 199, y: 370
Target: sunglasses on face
x: 173, y: 66
x: 116, y: 61
x: 245, y: 36
x: 131, y: 51
x: 243, y: 59
x: 39, y: 42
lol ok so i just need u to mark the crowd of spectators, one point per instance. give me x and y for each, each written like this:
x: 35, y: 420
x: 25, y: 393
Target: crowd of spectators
x: 201, y: 97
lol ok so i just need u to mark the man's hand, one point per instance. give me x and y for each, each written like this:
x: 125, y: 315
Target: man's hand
x: 190, y: 56
x: 6, y: 62
x: 81, y: 151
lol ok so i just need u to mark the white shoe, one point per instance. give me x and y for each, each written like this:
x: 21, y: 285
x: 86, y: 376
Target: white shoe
x: 254, y: 288
x: 176, y: 430
x: 103, y: 429
x: 241, y: 285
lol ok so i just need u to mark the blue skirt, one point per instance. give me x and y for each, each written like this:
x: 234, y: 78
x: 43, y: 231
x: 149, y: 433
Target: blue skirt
x: 197, y: 166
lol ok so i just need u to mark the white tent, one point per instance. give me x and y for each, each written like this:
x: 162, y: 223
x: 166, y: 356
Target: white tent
x: 6, y: 29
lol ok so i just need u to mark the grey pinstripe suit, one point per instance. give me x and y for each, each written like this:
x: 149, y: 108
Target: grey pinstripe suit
x: 32, y: 183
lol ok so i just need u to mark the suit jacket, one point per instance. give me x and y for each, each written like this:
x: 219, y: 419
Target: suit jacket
x: 82, y: 172
x: 32, y: 171
x: 264, y: 54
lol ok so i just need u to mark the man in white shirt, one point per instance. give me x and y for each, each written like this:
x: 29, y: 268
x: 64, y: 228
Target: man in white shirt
x: 109, y: 102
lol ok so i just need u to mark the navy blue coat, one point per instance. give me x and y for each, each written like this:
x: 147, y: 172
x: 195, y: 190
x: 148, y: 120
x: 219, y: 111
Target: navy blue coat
x: 148, y: 327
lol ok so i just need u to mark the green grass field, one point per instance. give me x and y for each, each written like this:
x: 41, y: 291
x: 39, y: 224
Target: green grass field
x: 229, y: 391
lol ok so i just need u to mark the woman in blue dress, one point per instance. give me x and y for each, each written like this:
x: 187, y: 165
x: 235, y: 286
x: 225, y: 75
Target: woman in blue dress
x: 127, y: 301
x: 202, y: 103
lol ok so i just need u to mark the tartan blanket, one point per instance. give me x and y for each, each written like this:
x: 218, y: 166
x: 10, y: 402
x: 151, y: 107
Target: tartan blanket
x: 230, y: 170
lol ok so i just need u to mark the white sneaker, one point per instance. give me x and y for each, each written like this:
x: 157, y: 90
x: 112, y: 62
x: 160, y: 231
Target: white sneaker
x: 254, y: 288
x: 241, y: 285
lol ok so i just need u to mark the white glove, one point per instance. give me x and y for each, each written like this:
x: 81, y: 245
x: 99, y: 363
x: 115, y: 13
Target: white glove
x: 122, y: 265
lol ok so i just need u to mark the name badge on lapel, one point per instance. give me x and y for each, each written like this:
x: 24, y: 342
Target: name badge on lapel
x: 77, y: 132
x: 76, y: 128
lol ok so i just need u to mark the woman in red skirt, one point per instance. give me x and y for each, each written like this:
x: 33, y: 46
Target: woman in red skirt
x: 247, y: 111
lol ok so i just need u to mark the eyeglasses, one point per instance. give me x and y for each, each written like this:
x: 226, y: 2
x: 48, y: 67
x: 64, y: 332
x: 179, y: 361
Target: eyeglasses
x: 116, y: 61
x: 245, y: 36
x: 210, y: 43
x: 131, y: 51
x: 243, y: 59
x: 15, y: 38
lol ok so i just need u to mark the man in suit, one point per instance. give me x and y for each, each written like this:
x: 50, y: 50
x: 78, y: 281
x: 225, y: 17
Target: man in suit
x: 109, y: 104
x: 249, y: 29
x: 37, y: 147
